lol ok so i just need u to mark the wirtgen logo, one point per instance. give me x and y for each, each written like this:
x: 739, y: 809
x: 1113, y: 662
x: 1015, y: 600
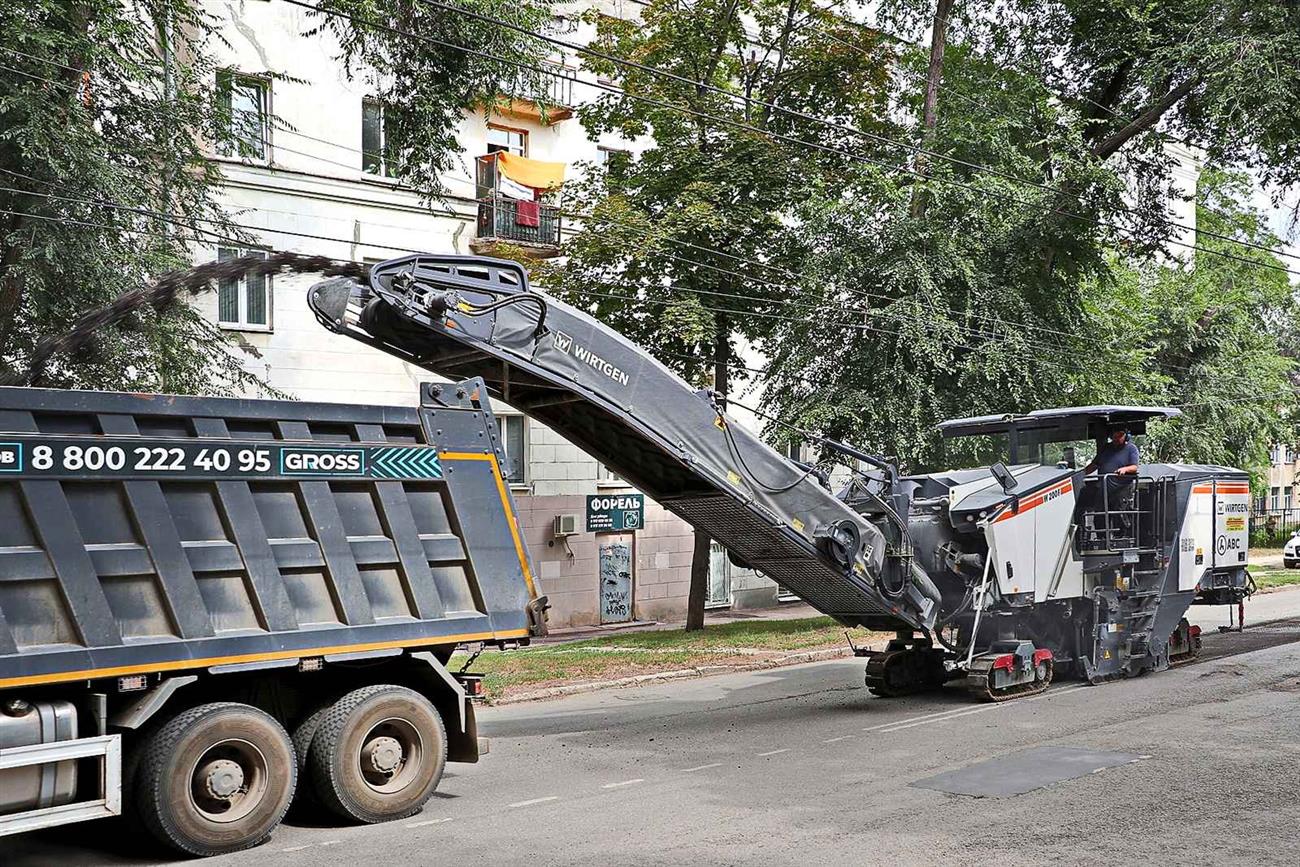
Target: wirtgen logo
x: 564, y: 343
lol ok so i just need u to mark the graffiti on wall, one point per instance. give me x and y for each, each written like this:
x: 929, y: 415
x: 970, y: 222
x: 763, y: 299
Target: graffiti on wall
x: 615, y: 582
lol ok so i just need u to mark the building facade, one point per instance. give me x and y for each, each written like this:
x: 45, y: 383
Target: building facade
x: 307, y: 168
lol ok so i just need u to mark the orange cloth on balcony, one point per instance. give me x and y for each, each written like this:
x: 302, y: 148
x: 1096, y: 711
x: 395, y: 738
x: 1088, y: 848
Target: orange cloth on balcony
x: 531, y: 173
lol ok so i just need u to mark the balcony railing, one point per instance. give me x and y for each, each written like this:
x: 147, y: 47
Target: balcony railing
x: 498, y: 219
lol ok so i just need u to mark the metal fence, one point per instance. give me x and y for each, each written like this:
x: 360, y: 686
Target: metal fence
x: 498, y: 218
x: 1277, y: 523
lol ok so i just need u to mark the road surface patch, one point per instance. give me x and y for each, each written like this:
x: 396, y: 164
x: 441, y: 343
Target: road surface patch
x: 1025, y: 771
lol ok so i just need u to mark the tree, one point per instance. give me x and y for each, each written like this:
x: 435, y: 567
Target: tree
x: 430, y: 61
x: 1046, y: 182
x: 1219, y: 337
x: 104, y: 185
x: 658, y: 255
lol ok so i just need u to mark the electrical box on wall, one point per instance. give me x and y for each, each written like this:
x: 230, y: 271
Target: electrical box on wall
x: 565, y: 525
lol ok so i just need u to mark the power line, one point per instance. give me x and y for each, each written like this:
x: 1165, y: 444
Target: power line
x: 767, y: 133
x: 841, y: 325
x: 812, y: 305
x: 749, y: 101
x: 780, y: 136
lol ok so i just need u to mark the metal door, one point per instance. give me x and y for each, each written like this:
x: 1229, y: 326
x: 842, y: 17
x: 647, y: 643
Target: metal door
x: 615, y: 581
x: 719, y: 576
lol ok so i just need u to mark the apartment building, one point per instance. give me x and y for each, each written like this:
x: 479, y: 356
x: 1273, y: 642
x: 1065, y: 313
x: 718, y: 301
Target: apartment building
x: 308, y: 168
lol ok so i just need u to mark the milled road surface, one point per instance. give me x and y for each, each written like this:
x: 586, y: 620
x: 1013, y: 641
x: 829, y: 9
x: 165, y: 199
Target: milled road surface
x: 803, y: 766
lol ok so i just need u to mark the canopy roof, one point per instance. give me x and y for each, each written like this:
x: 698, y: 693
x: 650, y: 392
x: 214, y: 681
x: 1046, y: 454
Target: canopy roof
x: 1069, y: 420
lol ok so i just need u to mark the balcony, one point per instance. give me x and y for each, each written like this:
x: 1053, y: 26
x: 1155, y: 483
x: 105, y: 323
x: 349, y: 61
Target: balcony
x: 557, y: 94
x: 508, y: 188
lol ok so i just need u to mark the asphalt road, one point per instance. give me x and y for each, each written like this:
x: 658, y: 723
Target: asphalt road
x: 802, y: 765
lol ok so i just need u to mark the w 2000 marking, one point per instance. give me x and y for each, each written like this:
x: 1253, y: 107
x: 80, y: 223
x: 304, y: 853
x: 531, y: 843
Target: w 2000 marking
x: 130, y: 457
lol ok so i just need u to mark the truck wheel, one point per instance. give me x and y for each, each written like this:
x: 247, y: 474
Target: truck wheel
x: 305, y: 801
x: 217, y: 778
x: 378, y: 755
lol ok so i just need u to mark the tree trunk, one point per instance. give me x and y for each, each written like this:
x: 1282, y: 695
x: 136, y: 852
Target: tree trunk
x: 701, y: 555
x: 930, y: 118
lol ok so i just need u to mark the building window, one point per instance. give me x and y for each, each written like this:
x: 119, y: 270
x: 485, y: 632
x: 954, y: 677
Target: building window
x: 504, y: 138
x: 1286, y: 497
x: 513, y: 442
x: 1273, y: 499
x: 380, y: 151
x: 613, y: 159
x: 244, y: 303
x: 243, y: 112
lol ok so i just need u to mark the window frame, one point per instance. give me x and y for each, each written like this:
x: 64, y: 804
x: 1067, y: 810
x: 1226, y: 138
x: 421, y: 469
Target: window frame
x: 606, y: 151
x: 241, y: 297
x: 389, y: 154
x: 520, y: 462
x: 227, y: 144
x: 499, y: 127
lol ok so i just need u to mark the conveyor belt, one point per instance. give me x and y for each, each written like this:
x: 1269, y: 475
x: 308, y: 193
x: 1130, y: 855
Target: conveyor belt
x: 462, y: 316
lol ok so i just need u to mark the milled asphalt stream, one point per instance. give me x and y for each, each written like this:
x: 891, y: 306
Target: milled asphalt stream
x: 803, y: 766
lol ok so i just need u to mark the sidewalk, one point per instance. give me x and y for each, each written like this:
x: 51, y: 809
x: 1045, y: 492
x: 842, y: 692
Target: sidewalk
x: 785, y: 611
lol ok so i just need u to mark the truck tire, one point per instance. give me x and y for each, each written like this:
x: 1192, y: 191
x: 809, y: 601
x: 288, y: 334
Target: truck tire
x: 305, y: 801
x: 217, y: 778
x: 379, y: 754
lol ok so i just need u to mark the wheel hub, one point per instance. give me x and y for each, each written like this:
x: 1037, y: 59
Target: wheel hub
x: 223, y: 779
x: 384, y: 754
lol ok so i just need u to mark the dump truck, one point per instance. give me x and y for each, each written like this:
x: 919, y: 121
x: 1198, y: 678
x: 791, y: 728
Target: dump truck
x: 211, y: 606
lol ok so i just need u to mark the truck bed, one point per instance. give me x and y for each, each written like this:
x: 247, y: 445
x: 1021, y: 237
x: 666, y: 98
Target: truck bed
x: 148, y: 533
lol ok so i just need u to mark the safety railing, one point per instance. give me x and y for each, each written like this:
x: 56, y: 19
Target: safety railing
x: 1120, y: 514
x: 498, y: 218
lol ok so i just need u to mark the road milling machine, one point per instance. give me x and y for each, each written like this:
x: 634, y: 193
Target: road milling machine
x: 995, y: 576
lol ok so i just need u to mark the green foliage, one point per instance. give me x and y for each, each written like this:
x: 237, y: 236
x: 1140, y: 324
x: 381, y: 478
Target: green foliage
x: 659, y: 257
x: 1217, y: 337
x: 97, y: 145
x: 426, y: 87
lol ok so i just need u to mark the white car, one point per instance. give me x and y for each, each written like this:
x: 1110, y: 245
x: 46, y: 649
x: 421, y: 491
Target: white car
x: 1291, y: 551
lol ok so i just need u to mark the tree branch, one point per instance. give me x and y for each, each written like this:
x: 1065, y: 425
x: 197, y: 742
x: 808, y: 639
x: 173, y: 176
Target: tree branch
x: 1147, y: 119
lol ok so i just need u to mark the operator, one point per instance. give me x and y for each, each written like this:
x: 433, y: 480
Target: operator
x: 1117, y: 457
x: 1115, y: 460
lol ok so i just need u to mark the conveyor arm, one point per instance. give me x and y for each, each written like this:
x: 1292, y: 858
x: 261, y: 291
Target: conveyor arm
x: 463, y: 316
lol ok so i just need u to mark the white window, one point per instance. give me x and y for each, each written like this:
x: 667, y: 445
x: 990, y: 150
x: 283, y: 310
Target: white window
x: 1286, y: 502
x: 607, y: 476
x: 504, y: 138
x: 514, y: 441
x: 380, y: 152
x: 1273, y: 504
x: 244, y: 303
x: 612, y: 159
x: 243, y: 112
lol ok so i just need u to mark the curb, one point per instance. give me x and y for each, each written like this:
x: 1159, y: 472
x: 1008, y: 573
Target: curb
x: 678, y: 674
